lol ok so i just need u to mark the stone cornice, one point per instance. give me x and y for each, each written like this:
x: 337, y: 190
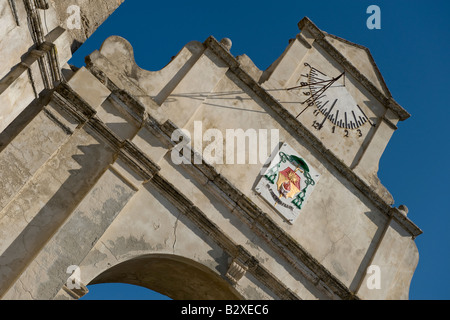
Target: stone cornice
x: 34, y: 21
x: 42, y: 4
x: 83, y: 113
x: 46, y: 51
x: 239, y: 204
x: 12, y: 5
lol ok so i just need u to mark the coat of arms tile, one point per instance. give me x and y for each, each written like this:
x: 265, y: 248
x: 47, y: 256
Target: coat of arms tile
x: 288, y: 183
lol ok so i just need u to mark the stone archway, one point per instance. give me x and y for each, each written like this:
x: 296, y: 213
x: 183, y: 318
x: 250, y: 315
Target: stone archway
x: 176, y: 277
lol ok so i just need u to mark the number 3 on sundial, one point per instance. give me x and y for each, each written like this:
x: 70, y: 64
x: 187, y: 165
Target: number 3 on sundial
x: 335, y: 107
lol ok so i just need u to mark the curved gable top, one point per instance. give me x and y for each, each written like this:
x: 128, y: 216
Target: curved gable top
x: 357, y: 60
x: 362, y: 59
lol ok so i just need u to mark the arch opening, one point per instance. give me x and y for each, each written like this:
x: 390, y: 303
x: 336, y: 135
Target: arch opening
x: 176, y: 277
x: 121, y: 291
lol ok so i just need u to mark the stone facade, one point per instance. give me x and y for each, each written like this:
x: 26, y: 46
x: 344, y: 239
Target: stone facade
x: 36, y: 44
x: 88, y: 177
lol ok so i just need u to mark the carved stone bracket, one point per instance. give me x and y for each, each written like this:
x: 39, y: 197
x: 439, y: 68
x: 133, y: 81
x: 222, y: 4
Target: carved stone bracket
x: 42, y: 4
x: 78, y: 292
x: 12, y: 5
x: 46, y: 51
x: 236, y: 271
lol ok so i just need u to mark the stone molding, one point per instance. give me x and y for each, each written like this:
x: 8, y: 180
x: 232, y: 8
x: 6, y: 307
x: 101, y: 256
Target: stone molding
x: 12, y: 5
x: 46, y: 51
x: 82, y: 112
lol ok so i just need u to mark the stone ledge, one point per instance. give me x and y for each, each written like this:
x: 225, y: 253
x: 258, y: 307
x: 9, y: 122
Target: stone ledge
x: 82, y: 112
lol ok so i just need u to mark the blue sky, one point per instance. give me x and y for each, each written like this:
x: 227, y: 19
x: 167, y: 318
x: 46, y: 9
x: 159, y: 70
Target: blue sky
x: 411, y: 50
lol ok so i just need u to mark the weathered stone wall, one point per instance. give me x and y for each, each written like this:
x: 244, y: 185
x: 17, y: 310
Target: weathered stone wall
x: 91, y: 183
x: 35, y: 44
x: 93, y: 14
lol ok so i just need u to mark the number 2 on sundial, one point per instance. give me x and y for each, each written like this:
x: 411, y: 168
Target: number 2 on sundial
x: 335, y: 105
